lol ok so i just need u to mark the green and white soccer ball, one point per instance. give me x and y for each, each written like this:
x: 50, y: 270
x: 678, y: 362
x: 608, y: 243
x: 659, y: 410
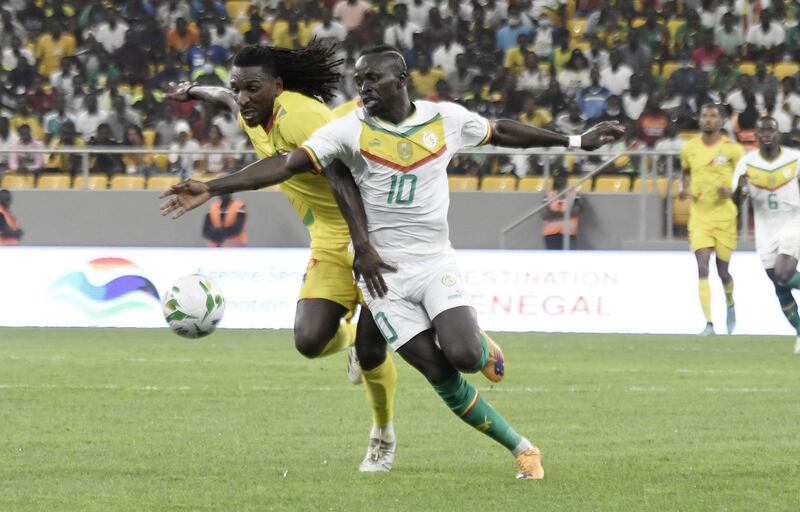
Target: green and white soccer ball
x: 193, y: 306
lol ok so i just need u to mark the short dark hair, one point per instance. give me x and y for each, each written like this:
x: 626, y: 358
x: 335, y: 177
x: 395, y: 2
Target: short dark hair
x: 311, y: 70
x: 391, y: 50
x: 719, y: 107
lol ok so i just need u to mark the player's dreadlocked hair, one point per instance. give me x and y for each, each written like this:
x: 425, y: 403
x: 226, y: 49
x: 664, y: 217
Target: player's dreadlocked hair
x: 311, y: 70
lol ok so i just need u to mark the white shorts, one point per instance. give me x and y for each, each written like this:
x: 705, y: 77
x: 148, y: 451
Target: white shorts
x: 772, y: 240
x: 418, y: 292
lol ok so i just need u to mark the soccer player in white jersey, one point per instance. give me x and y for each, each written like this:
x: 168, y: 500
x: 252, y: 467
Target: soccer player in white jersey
x: 387, y: 163
x: 770, y: 176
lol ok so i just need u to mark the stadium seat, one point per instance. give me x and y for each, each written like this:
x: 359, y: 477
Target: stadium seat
x: 784, y: 69
x: 462, y: 183
x: 638, y: 22
x: 94, y: 183
x: 669, y: 67
x: 149, y: 136
x: 680, y: 211
x: 207, y: 176
x: 17, y: 181
x: 586, y: 186
x: 688, y: 134
x: 583, y: 46
x: 534, y: 184
x: 54, y: 182
x: 659, y: 185
x: 162, y: 161
x: 747, y: 67
x: 127, y: 182
x: 612, y: 184
x: 576, y: 27
x: 235, y: 8
x: 499, y: 184
x: 162, y: 182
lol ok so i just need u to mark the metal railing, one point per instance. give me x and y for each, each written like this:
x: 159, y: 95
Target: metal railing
x: 644, y: 173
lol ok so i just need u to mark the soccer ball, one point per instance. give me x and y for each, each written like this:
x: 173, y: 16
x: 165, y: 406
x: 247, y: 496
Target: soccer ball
x: 193, y: 306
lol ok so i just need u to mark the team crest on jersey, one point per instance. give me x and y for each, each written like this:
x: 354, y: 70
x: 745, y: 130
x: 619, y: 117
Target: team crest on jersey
x: 404, y: 150
x: 721, y: 159
x: 448, y: 280
x: 430, y: 139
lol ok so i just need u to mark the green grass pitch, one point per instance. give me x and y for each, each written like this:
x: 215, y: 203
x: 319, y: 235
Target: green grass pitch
x: 141, y: 420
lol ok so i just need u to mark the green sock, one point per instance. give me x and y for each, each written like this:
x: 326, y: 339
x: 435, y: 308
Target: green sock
x: 794, y: 281
x: 484, y: 355
x: 465, y: 401
x: 789, y: 306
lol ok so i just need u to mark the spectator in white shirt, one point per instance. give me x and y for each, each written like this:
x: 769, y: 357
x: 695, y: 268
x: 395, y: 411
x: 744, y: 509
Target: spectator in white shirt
x: 444, y: 56
x: 461, y: 78
x: 597, y: 55
x: 330, y: 29
x: 766, y: 39
x: 169, y: 12
x: 61, y: 79
x: 224, y: 35
x: 351, y: 12
x: 575, y: 75
x: 419, y: 11
x: 22, y: 160
x: 533, y: 78
x: 778, y: 112
x: 15, y: 51
x: 543, y: 42
x: 400, y: 34
x: 729, y: 36
x: 111, y: 33
x: 634, y: 100
x: 737, y: 98
x: 217, y: 163
x: 87, y: 121
x: 184, y: 163
x: 616, y: 77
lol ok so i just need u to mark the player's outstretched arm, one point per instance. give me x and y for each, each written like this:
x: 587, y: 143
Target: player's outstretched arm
x: 512, y: 134
x: 189, y: 194
x: 367, y: 263
x: 219, y: 96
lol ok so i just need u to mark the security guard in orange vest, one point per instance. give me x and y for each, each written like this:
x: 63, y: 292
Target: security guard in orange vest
x: 10, y: 233
x: 226, y: 223
x: 554, y: 228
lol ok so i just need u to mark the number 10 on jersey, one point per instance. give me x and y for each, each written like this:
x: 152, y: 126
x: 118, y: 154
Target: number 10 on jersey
x: 402, y: 189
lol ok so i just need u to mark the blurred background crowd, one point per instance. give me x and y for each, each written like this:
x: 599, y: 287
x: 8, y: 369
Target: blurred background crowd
x: 87, y: 72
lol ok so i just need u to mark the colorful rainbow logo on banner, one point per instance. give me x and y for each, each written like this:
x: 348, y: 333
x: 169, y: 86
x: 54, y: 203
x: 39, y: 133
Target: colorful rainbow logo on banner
x: 106, y: 287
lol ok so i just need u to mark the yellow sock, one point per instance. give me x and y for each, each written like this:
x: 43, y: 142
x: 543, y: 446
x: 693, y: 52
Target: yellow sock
x: 380, y: 384
x: 344, y: 338
x: 705, y: 298
x: 728, y: 292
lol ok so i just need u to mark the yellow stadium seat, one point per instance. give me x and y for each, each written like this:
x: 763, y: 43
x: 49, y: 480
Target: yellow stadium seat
x: 149, y: 136
x: 95, y: 182
x: 747, y: 67
x: 612, y: 184
x: 583, y: 46
x: 638, y: 22
x: 54, y: 182
x: 162, y: 182
x: 784, y: 69
x: 586, y: 186
x: 17, y: 181
x: 669, y: 67
x: 680, y: 211
x: 235, y: 8
x: 534, y: 184
x: 206, y: 176
x: 127, y: 182
x: 462, y: 183
x: 576, y: 27
x: 499, y: 184
x: 162, y: 161
x: 688, y: 134
x: 659, y: 185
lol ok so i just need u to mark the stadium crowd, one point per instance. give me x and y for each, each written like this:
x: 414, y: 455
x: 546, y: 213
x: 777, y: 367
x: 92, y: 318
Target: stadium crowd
x: 93, y: 73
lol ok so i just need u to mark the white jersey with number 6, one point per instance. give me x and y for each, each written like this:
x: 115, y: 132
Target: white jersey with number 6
x: 775, y: 195
x: 401, y: 171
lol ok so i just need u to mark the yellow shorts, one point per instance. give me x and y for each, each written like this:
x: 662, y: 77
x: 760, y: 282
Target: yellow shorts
x: 329, y: 275
x: 720, y: 236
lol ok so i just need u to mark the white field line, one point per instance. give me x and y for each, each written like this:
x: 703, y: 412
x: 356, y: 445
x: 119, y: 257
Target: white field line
x: 337, y: 389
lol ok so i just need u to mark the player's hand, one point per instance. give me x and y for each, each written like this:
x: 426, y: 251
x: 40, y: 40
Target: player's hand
x: 179, y: 91
x: 724, y: 192
x: 186, y: 195
x: 601, y: 134
x: 369, y: 265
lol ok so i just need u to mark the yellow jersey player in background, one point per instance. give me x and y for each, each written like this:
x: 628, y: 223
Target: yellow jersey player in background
x: 277, y: 96
x: 707, y: 165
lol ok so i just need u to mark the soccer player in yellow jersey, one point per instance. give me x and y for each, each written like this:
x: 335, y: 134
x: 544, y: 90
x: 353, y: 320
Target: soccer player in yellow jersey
x: 707, y: 170
x: 277, y: 96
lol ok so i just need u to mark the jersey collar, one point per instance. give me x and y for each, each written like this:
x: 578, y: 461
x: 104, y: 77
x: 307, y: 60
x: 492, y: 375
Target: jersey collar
x: 424, y: 112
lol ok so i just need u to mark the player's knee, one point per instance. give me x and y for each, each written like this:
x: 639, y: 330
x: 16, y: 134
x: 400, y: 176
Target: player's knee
x: 467, y: 356
x: 371, y: 355
x: 310, y: 340
x: 782, y: 275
